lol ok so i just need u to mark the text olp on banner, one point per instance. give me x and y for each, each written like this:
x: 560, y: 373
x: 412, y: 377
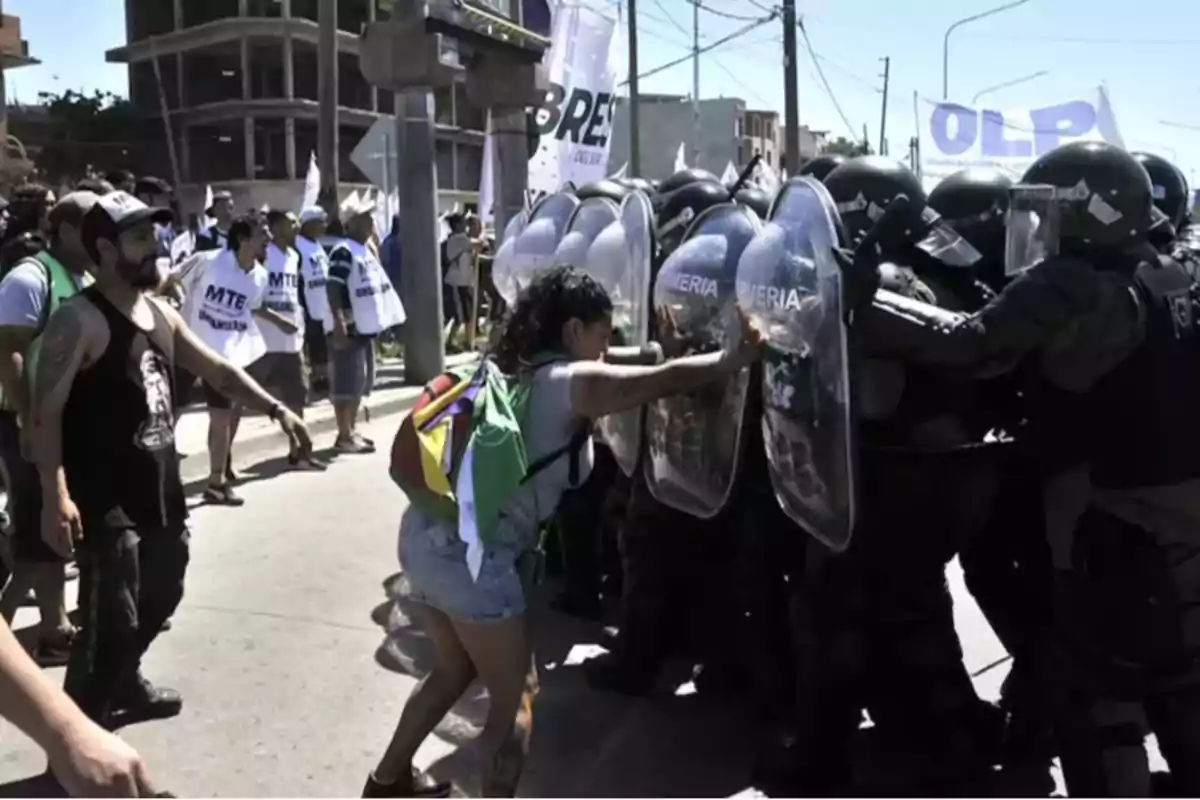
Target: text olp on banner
x: 955, y: 136
x: 575, y: 121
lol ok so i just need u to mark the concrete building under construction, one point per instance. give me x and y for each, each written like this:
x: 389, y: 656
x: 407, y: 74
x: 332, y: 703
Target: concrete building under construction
x: 238, y: 80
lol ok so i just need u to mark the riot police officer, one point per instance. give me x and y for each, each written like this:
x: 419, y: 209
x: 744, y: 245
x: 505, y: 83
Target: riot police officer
x: 924, y: 486
x: 1106, y: 330
x: 974, y: 202
x: 662, y: 549
x: 1172, y: 198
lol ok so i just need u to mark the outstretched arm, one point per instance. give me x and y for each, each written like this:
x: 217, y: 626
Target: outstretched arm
x: 87, y: 760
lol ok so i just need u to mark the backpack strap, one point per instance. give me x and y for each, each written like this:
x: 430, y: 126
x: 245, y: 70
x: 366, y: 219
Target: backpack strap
x: 572, y: 448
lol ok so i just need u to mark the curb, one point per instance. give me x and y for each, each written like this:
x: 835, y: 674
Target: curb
x: 258, y: 452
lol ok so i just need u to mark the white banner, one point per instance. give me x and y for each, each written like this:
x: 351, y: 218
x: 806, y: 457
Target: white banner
x: 955, y: 137
x: 576, y: 120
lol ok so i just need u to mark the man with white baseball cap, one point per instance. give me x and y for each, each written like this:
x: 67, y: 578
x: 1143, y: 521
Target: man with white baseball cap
x: 362, y: 304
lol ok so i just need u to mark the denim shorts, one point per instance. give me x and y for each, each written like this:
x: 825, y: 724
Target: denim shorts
x: 434, y: 561
x: 352, y: 370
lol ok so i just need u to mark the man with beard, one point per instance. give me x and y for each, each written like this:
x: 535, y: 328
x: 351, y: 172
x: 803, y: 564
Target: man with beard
x: 103, y: 430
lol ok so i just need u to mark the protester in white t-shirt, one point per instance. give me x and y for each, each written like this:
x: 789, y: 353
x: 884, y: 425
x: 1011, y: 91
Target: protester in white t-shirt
x: 223, y: 294
x: 281, y: 369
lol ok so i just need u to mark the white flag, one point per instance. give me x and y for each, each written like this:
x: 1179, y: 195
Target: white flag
x: 312, y: 183
x: 730, y: 175
x: 766, y: 178
x: 207, y: 222
x: 487, y: 177
x: 576, y: 150
x: 680, y: 158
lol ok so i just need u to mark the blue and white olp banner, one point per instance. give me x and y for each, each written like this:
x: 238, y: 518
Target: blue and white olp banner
x: 955, y: 136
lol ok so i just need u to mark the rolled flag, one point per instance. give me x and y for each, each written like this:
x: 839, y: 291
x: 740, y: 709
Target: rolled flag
x: 680, y: 158
x: 312, y: 183
x: 206, y: 221
x: 730, y: 176
x: 487, y: 178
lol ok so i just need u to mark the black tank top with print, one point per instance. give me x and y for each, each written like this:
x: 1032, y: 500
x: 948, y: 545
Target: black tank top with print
x: 119, y: 428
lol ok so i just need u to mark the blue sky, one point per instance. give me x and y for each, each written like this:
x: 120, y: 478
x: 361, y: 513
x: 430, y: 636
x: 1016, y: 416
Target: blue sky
x: 1145, y: 59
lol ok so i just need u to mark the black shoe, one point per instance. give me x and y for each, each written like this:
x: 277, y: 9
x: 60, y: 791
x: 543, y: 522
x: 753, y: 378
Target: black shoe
x: 144, y: 701
x: 419, y: 785
x: 166, y: 626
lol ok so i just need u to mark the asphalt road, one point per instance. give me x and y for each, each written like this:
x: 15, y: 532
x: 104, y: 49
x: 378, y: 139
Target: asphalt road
x: 277, y: 651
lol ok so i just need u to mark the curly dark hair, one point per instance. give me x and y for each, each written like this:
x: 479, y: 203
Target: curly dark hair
x: 534, y: 323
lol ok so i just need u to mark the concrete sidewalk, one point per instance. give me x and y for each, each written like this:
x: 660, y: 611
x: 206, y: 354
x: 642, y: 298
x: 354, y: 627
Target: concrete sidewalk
x: 258, y: 437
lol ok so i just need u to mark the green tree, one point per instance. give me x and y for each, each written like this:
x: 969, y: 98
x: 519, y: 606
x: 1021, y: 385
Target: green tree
x: 846, y: 147
x: 72, y: 131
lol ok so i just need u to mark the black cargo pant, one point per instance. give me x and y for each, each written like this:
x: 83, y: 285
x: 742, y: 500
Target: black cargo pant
x: 130, y: 583
x: 879, y: 629
x: 1127, y: 616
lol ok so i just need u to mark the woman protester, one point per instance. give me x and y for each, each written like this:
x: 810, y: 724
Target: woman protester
x: 479, y: 625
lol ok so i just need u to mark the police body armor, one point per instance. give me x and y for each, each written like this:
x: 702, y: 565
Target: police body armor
x: 1135, y: 600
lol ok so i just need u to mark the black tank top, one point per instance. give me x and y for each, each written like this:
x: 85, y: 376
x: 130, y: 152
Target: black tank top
x: 119, y: 428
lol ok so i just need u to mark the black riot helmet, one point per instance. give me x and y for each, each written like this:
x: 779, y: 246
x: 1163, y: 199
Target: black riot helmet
x: 684, y: 177
x: 641, y: 184
x: 755, y: 199
x: 1170, y: 188
x: 821, y: 166
x: 606, y: 188
x: 973, y: 202
x: 675, y: 211
x: 1103, y: 194
x: 863, y: 187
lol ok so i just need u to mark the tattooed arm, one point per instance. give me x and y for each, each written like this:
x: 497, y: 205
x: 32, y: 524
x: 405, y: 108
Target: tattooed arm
x: 69, y: 335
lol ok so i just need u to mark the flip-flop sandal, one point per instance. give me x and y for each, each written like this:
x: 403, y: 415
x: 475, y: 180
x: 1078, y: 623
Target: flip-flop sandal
x: 222, y: 496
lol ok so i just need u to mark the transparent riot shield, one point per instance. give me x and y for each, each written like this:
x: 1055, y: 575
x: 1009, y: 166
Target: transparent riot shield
x: 503, y: 264
x: 620, y: 260
x: 533, y: 248
x: 590, y: 218
x: 789, y: 284
x: 693, y: 440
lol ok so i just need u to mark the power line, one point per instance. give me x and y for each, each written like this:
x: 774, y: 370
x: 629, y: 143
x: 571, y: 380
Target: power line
x: 749, y: 90
x: 725, y: 14
x: 708, y: 47
x: 671, y: 19
x: 825, y: 81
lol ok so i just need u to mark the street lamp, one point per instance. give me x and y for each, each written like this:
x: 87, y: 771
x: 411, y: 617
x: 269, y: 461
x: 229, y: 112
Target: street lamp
x: 960, y: 23
x: 1006, y: 84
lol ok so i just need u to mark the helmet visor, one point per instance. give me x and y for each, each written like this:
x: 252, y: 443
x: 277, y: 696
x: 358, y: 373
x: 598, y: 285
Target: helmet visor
x: 944, y: 243
x: 1032, y: 227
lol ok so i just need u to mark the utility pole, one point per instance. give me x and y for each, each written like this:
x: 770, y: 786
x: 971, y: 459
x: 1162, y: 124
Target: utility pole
x: 791, y: 87
x: 635, y: 112
x: 327, y: 93
x: 695, y: 148
x: 887, y: 73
